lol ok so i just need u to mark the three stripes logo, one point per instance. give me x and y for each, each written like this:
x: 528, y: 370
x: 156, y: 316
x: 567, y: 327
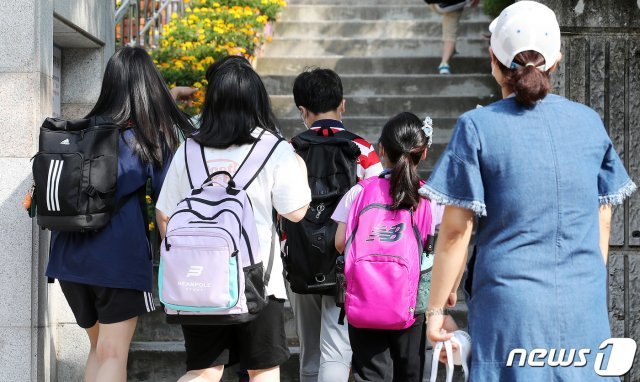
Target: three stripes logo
x: 53, y: 184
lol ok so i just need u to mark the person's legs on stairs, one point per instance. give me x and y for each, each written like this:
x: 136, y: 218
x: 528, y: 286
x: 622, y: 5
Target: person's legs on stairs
x: 91, y: 367
x: 450, y: 24
x: 266, y: 375
x: 371, y: 359
x: 112, y: 350
x: 407, y: 348
x: 212, y: 374
x: 335, y: 350
x: 307, y: 310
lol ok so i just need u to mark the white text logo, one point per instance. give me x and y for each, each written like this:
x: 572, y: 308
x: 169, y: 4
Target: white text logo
x: 620, y: 359
x: 195, y: 271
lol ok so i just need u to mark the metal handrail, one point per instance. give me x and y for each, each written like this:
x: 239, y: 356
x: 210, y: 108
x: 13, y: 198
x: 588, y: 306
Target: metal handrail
x: 153, y: 14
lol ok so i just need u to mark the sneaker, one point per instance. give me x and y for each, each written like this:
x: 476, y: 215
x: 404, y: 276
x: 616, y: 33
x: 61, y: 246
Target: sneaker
x: 444, y: 69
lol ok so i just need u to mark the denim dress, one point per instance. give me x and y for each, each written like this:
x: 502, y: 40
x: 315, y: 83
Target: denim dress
x: 534, y: 177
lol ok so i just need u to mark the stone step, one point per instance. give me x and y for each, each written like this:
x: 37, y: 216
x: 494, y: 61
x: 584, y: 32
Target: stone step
x: 374, y: 29
x: 373, y: 48
x: 165, y: 362
x: 407, y: 65
x: 153, y: 327
x: 332, y: 12
x: 369, y: 128
x: 387, y: 106
x: 412, y: 84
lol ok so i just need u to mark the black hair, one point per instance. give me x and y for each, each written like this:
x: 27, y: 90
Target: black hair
x: 318, y: 90
x: 134, y: 93
x: 529, y: 83
x: 404, y: 143
x: 235, y: 103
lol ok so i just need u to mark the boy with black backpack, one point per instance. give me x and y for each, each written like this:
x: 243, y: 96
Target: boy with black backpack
x: 336, y: 160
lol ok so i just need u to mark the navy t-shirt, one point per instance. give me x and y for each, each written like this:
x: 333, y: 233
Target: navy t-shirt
x: 118, y: 255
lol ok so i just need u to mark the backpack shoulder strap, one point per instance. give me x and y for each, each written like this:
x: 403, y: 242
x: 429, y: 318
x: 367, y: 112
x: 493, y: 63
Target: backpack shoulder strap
x: 346, y: 134
x: 260, y: 152
x: 195, y: 163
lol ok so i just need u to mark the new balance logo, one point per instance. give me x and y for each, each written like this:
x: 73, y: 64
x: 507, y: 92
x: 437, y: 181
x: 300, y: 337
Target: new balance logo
x: 195, y: 271
x: 65, y: 142
x: 53, y: 184
x: 382, y: 233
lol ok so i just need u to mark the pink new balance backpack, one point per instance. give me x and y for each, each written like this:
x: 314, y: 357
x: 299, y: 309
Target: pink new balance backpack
x: 382, y: 258
x: 211, y: 270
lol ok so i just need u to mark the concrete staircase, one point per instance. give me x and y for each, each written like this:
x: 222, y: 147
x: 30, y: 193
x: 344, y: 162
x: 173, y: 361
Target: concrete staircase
x: 387, y: 54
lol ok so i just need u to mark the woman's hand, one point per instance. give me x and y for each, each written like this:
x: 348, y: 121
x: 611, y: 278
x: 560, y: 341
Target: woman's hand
x: 441, y: 328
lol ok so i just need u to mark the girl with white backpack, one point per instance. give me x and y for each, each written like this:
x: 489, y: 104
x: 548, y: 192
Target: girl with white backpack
x: 236, y: 118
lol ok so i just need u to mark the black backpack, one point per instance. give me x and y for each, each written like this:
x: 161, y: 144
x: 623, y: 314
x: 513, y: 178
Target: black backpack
x: 310, y: 256
x: 75, y: 173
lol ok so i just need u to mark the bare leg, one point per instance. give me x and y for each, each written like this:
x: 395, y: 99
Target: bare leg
x: 450, y: 23
x: 112, y: 350
x: 212, y: 374
x: 91, y: 367
x: 448, y: 47
x: 265, y: 375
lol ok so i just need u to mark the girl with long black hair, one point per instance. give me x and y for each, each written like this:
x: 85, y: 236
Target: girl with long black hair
x: 236, y: 113
x: 106, y: 276
x: 403, y: 144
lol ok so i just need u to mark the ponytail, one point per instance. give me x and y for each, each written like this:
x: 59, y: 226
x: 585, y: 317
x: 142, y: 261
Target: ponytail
x: 404, y: 142
x: 529, y: 83
x: 405, y: 181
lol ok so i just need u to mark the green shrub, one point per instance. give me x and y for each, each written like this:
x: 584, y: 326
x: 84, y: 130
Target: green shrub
x: 208, y: 31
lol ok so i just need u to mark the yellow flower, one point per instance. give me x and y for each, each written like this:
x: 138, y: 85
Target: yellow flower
x: 148, y: 199
x: 152, y: 226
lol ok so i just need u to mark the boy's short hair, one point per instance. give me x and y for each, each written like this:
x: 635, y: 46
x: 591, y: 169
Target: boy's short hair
x: 318, y: 90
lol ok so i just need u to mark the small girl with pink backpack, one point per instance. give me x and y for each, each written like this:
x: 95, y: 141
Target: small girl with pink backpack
x: 384, y: 230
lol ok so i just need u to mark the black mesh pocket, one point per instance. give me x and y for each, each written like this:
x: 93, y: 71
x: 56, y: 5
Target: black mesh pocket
x: 254, y: 288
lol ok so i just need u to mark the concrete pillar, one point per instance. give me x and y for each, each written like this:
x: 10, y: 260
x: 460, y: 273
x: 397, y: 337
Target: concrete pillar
x: 601, y: 68
x: 26, y: 42
x: 84, y: 31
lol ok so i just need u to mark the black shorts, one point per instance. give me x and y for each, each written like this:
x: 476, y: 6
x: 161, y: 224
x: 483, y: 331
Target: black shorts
x: 256, y: 345
x: 91, y: 304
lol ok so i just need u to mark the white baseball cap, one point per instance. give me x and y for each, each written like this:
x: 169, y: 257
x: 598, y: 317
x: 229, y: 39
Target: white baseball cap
x: 526, y: 25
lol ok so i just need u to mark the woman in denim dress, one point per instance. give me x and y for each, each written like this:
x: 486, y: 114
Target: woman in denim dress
x: 540, y: 174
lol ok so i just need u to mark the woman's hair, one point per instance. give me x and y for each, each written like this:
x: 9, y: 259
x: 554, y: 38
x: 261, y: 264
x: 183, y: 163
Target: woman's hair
x: 404, y: 143
x: 529, y: 83
x: 235, y: 102
x: 133, y: 92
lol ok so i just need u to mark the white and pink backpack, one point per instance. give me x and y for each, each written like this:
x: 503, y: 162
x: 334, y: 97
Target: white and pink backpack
x: 211, y: 268
x: 382, y: 258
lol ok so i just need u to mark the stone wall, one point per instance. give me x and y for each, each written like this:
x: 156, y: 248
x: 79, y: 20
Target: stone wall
x: 31, y: 319
x: 601, y: 68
